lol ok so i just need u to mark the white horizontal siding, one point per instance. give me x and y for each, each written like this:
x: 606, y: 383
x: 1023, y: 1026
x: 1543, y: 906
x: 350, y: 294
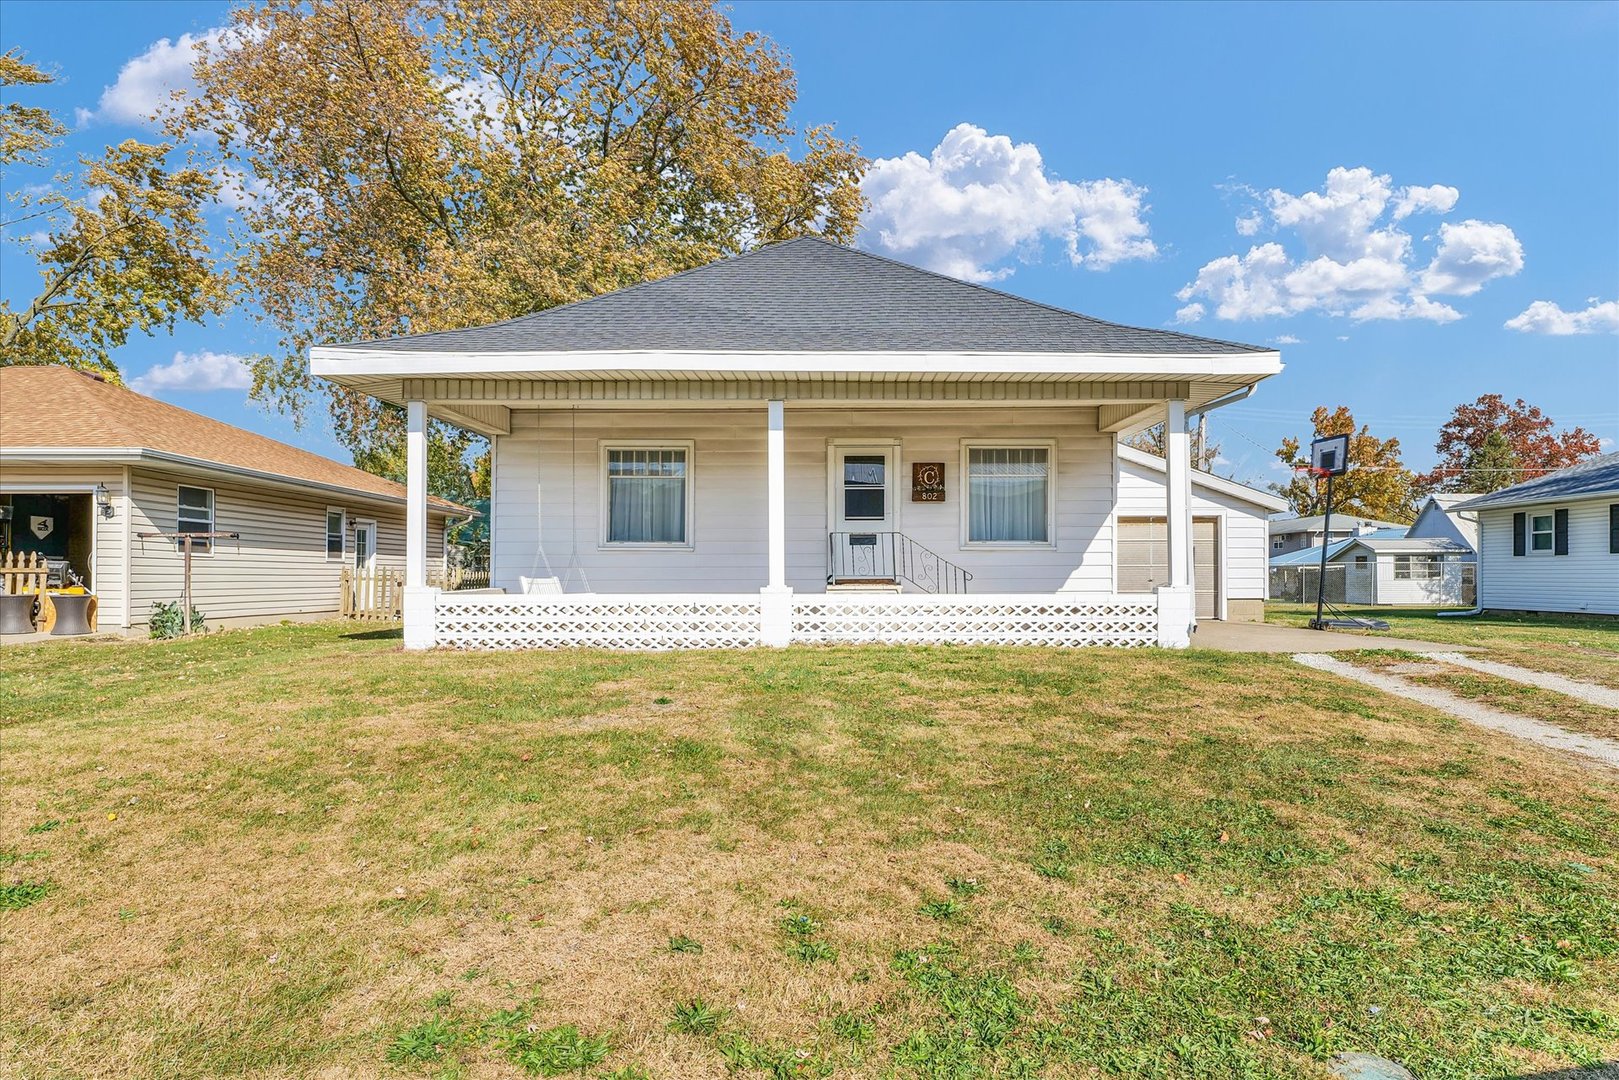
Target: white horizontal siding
x: 546, y: 516
x: 1246, y: 540
x: 1435, y: 523
x: 278, y: 568
x: 107, y: 559
x: 1584, y: 580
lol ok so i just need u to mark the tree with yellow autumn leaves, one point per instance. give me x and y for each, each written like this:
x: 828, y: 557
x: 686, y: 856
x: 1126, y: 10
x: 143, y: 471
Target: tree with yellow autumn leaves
x: 1377, y: 485
x: 420, y: 165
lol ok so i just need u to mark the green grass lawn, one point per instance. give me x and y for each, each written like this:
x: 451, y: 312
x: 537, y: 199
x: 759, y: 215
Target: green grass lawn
x: 301, y: 852
x: 1579, y: 646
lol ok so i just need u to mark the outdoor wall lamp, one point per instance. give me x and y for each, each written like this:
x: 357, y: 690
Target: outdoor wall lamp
x: 104, y: 500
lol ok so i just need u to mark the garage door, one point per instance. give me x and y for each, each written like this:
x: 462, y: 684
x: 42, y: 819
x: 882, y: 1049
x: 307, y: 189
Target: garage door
x: 1144, y: 559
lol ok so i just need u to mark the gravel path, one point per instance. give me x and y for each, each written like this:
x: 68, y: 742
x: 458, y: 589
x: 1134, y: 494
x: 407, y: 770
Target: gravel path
x: 1605, y: 696
x: 1521, y: 727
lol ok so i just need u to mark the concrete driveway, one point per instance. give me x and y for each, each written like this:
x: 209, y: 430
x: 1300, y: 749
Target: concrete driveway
x: 1264, y: 637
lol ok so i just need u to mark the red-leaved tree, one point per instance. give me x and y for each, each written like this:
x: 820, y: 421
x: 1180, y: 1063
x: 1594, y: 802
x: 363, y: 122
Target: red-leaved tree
x: 1535, y: 446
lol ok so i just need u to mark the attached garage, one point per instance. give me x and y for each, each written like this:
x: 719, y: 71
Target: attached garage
x: 1230, y: 538
x: 1144, y: 559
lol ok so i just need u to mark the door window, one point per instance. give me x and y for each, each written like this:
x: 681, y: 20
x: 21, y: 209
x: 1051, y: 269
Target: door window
x: 865, y: 487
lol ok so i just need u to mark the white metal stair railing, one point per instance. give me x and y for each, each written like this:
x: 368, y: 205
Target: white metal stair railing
x: 863, y: 556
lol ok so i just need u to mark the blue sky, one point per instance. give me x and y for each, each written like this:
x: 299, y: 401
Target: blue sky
x: 1417, y: 204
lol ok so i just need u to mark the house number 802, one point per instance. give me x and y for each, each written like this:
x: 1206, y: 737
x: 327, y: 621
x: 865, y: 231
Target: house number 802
x: 927, y: 481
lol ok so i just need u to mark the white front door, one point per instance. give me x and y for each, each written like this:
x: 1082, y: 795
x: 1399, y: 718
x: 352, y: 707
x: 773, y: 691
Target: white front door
x: 863, y: 513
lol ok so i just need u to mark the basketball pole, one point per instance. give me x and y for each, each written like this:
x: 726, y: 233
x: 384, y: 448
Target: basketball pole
x: 1326, y: 540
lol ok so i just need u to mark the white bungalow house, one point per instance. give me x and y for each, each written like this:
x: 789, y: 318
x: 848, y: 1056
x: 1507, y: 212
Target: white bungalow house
x: 1552, y: 543
x: 806, y: 443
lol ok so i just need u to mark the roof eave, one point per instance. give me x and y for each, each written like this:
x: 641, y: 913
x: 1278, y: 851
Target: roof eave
x: 1537, y: 500
x: 131, y: 455
x: 337, y: 361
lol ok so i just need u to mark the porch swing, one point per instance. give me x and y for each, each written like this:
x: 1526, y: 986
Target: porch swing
x: 551, y: 584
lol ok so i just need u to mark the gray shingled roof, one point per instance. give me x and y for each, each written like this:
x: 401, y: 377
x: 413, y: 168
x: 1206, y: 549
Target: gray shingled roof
x: 1599, y: 476
x: 808, y: 295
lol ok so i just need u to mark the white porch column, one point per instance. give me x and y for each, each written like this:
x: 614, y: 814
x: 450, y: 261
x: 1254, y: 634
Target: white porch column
x: 776, y: 599
x: 1177, y: 606
x: 418, y: 598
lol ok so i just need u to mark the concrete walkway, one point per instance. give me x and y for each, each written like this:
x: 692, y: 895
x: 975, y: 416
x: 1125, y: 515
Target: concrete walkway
x: 1268, y: 637
x: 1521, y: 727
x: 1605, y: 696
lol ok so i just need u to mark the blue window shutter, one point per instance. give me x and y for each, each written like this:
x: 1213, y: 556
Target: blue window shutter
x: 1520, y: 538
x: 1559, y: 532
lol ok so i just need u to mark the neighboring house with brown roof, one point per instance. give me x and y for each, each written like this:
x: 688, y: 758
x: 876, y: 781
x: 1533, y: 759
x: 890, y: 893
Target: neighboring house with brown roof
x: 86, y: 467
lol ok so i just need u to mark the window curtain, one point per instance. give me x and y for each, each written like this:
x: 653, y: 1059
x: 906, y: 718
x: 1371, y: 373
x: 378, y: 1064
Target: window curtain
x: 1007, y: 490
x: 646, y: 496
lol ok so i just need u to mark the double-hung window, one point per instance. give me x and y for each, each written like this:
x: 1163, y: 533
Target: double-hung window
x: 195, y: 514
x: 334, y: 534
x: 648, y: 494
x: 1542, y: 529
x: 1009, y: 493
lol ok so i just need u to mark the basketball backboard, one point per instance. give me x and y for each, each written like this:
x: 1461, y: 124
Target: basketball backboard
x: 1330, y: 456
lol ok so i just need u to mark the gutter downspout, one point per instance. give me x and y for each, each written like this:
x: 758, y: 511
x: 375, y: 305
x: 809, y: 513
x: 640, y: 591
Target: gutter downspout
x: 1222, y: 401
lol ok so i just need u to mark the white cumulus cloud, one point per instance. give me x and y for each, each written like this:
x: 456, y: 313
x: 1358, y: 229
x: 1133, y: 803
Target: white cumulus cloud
x: 978, y: 200
x: 1345, y: 250
x: 1469, y: 255
x: 195, y: 371
x: 146, y: 85
x: 1286, y: 339
x: 1546, y: 317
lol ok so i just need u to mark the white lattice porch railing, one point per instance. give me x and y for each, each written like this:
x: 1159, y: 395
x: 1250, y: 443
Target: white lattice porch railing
x: 491, y: 621
x: 1005, y: 619
x: 723, y: 621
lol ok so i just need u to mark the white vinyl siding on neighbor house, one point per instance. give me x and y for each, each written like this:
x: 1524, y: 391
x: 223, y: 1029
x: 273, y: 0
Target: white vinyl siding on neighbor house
x: 1244, y: 543
x: 280, y: 566
x: 1434, y: 523
x: 1584, y: 580
x: 547, y: 500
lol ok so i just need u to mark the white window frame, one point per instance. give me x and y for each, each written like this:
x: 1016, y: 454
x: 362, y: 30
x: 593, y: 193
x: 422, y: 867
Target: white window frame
x: 1433, y: 567
x: 1550, y: 517
x: 342, y: 533
x: 604, y: 500
x: 966, y: 488
x: 198, y: 547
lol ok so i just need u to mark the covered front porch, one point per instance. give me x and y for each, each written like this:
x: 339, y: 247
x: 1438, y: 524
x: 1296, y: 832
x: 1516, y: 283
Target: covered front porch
x: 656, y: 524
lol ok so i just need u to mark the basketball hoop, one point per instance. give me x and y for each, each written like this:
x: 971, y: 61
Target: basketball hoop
x: 1329, y: 457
